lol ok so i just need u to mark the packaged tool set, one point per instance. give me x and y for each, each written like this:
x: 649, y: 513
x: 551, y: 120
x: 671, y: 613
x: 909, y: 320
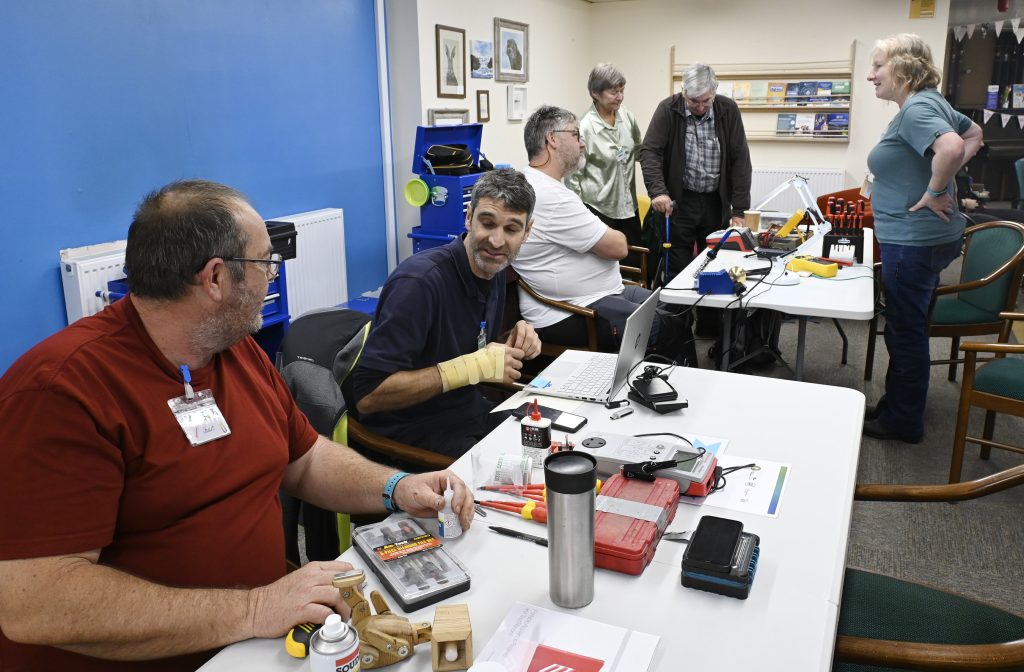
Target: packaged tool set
x: 413, y: 564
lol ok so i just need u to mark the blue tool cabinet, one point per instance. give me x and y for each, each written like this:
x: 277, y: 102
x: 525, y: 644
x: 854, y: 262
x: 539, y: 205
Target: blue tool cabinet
x: 443, y: 216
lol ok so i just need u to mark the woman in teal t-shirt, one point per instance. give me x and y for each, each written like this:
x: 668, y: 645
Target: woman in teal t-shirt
x: 917, y: 222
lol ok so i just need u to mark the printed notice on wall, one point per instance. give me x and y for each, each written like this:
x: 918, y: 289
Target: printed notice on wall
x: 922, y: 9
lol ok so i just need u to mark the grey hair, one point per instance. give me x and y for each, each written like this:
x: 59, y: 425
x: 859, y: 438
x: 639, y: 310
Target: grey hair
x: 546, y: 118
x: 605, y: 76
x: 699, y: 79
x: 176, y: 230
x: 508, y: 186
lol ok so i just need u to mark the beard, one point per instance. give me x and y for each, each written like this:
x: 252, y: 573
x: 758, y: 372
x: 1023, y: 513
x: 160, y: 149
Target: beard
x: 240, y: 318
x: 488, y: 266
x: 570, y: 165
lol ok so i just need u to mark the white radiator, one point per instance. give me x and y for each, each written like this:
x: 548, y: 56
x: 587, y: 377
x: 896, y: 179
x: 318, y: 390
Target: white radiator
x: 316, y: 276
x: 84, y: 271
x: 819, y: 181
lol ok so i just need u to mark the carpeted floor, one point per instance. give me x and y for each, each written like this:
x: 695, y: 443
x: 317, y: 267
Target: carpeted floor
x: 973, y: 548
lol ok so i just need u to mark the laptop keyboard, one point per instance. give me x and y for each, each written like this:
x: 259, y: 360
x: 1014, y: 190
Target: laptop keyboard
x: 591, y: 379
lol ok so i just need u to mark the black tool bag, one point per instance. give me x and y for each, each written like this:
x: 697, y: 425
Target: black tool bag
x: 450, y: 160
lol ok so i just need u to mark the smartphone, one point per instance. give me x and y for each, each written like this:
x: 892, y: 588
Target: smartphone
x: 566, y: 422
x: 713, y: 545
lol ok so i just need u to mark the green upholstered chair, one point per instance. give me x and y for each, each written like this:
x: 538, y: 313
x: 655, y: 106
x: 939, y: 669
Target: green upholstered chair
x: 993, y: 262
x: 997, y: 387
x: 890, y: 624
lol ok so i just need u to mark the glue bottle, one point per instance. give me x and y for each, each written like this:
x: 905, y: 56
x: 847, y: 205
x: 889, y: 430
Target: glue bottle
x: 536, y: 434
x: 448, y: 525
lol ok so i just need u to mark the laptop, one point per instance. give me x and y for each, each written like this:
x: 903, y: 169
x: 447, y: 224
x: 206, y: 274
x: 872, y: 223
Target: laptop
x: 598, y: 376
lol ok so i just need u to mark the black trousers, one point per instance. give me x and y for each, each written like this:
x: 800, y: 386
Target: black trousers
x: 694, y: 217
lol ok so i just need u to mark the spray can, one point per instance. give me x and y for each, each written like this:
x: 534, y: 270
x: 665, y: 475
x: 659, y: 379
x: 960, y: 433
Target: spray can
x: 448, y: 525
x: 334, y: 647
x: 536, y: 434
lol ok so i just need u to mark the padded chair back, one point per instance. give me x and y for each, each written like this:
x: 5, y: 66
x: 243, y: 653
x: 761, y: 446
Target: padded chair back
x: 990, y: 245
x: 317, y: 356
x: 1018, y: 166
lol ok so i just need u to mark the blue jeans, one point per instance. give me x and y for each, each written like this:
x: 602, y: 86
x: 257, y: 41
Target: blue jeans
x: 910, y: 276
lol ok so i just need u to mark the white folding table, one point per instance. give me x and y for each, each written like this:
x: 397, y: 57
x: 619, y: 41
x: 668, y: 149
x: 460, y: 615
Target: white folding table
x: 788, y: 623
x: 850, y: 295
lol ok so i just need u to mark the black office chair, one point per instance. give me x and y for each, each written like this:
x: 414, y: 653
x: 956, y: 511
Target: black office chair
x: 317, y: 356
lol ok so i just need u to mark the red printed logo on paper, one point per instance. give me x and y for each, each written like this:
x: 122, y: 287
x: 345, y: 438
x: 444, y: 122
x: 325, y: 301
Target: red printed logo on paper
x: 350, y: 664
x: 547, y: 659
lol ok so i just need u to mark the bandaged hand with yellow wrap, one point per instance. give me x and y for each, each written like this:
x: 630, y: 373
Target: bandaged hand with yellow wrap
x: 484, y: 365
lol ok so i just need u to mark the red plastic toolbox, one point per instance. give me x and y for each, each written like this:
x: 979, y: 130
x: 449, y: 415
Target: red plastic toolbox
x: 625, y: 543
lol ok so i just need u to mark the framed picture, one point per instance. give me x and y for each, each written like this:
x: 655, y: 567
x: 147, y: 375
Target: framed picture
x: 451, y: 62
x: 483, y: 106
x: 447, y: 117
x: 511, y: 51
x: 516, y: 102
x: 481, y: 59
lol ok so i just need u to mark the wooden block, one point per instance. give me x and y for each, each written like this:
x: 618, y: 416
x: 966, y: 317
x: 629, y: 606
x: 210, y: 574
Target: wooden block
x: 451, y: 636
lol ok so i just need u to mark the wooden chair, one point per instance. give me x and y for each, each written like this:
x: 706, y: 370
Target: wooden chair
x: 886, y: 623
x: 636, y: 275
x: 997, y: 387
x: 989, y: 279
x: 589, y: 316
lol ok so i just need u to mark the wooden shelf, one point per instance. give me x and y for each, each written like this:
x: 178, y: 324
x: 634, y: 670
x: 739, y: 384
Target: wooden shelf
x: 796, y: 71
x: 795, y: 108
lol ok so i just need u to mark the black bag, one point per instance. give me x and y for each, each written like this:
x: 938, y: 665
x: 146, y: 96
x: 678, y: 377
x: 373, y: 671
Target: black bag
x: 652, y: 235
x: 753, y: 331
x: 450, y: 160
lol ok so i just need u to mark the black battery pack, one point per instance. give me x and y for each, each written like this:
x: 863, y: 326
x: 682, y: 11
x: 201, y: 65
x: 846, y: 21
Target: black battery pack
x: 721, y: 558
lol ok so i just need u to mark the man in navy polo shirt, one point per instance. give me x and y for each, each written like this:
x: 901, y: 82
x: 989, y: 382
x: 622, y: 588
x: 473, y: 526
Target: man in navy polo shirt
x: 438, y: 324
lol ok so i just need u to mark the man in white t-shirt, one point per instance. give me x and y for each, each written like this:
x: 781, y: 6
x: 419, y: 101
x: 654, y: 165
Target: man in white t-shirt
x: 572, y: 256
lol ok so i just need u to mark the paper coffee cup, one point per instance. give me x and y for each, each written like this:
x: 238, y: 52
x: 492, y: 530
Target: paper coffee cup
x: 752, y: 218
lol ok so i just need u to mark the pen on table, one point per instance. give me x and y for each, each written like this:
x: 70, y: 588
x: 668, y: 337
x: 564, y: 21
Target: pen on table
x: 540, y: 541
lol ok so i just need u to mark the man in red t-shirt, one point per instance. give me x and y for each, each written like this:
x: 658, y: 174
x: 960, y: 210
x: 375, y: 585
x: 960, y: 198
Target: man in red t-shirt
x: 142, y: 455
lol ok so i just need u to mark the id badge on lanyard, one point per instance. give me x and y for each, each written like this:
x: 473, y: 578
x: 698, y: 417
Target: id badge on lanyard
x: 197, y: 414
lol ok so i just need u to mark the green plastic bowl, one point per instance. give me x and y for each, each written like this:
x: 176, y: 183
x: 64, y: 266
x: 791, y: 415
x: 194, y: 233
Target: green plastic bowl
x: 417, y: 192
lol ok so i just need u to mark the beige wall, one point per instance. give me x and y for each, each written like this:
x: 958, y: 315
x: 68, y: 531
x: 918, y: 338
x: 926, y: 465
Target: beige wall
x: 567, y: 37
x: 560, y: 48
x: 637, y: 36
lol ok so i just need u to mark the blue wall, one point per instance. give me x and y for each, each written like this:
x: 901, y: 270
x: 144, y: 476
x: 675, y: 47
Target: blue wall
x: 102, y: 101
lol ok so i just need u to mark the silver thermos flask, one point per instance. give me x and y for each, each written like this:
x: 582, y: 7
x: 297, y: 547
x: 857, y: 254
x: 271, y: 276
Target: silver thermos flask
x: 570, y: 477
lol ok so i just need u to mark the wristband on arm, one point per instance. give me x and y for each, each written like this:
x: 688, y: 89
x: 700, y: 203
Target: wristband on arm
x: 935, y: 194
x: 389, y: 491
x: 486, y: 364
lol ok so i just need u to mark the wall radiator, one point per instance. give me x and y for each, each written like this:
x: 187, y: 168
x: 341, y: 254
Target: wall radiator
x: 84, y: 271
x: 819, y: 181
x: 316, y: 277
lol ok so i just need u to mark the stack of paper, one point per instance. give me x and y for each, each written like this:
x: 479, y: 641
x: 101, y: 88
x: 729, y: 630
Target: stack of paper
x: 532, y: 639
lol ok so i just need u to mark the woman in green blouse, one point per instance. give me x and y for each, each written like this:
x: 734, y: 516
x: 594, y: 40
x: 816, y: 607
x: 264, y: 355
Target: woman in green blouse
x: 605, y: 179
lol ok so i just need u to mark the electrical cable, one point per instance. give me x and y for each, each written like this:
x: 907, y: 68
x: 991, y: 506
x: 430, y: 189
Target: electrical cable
x: 720, y: 474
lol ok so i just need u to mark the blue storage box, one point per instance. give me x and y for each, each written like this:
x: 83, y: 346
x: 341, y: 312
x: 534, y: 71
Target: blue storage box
x: 445, y: 211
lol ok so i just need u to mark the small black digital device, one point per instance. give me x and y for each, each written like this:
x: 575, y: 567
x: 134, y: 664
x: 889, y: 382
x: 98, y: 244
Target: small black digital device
x: 713, y: 545
x: 566, y: 422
